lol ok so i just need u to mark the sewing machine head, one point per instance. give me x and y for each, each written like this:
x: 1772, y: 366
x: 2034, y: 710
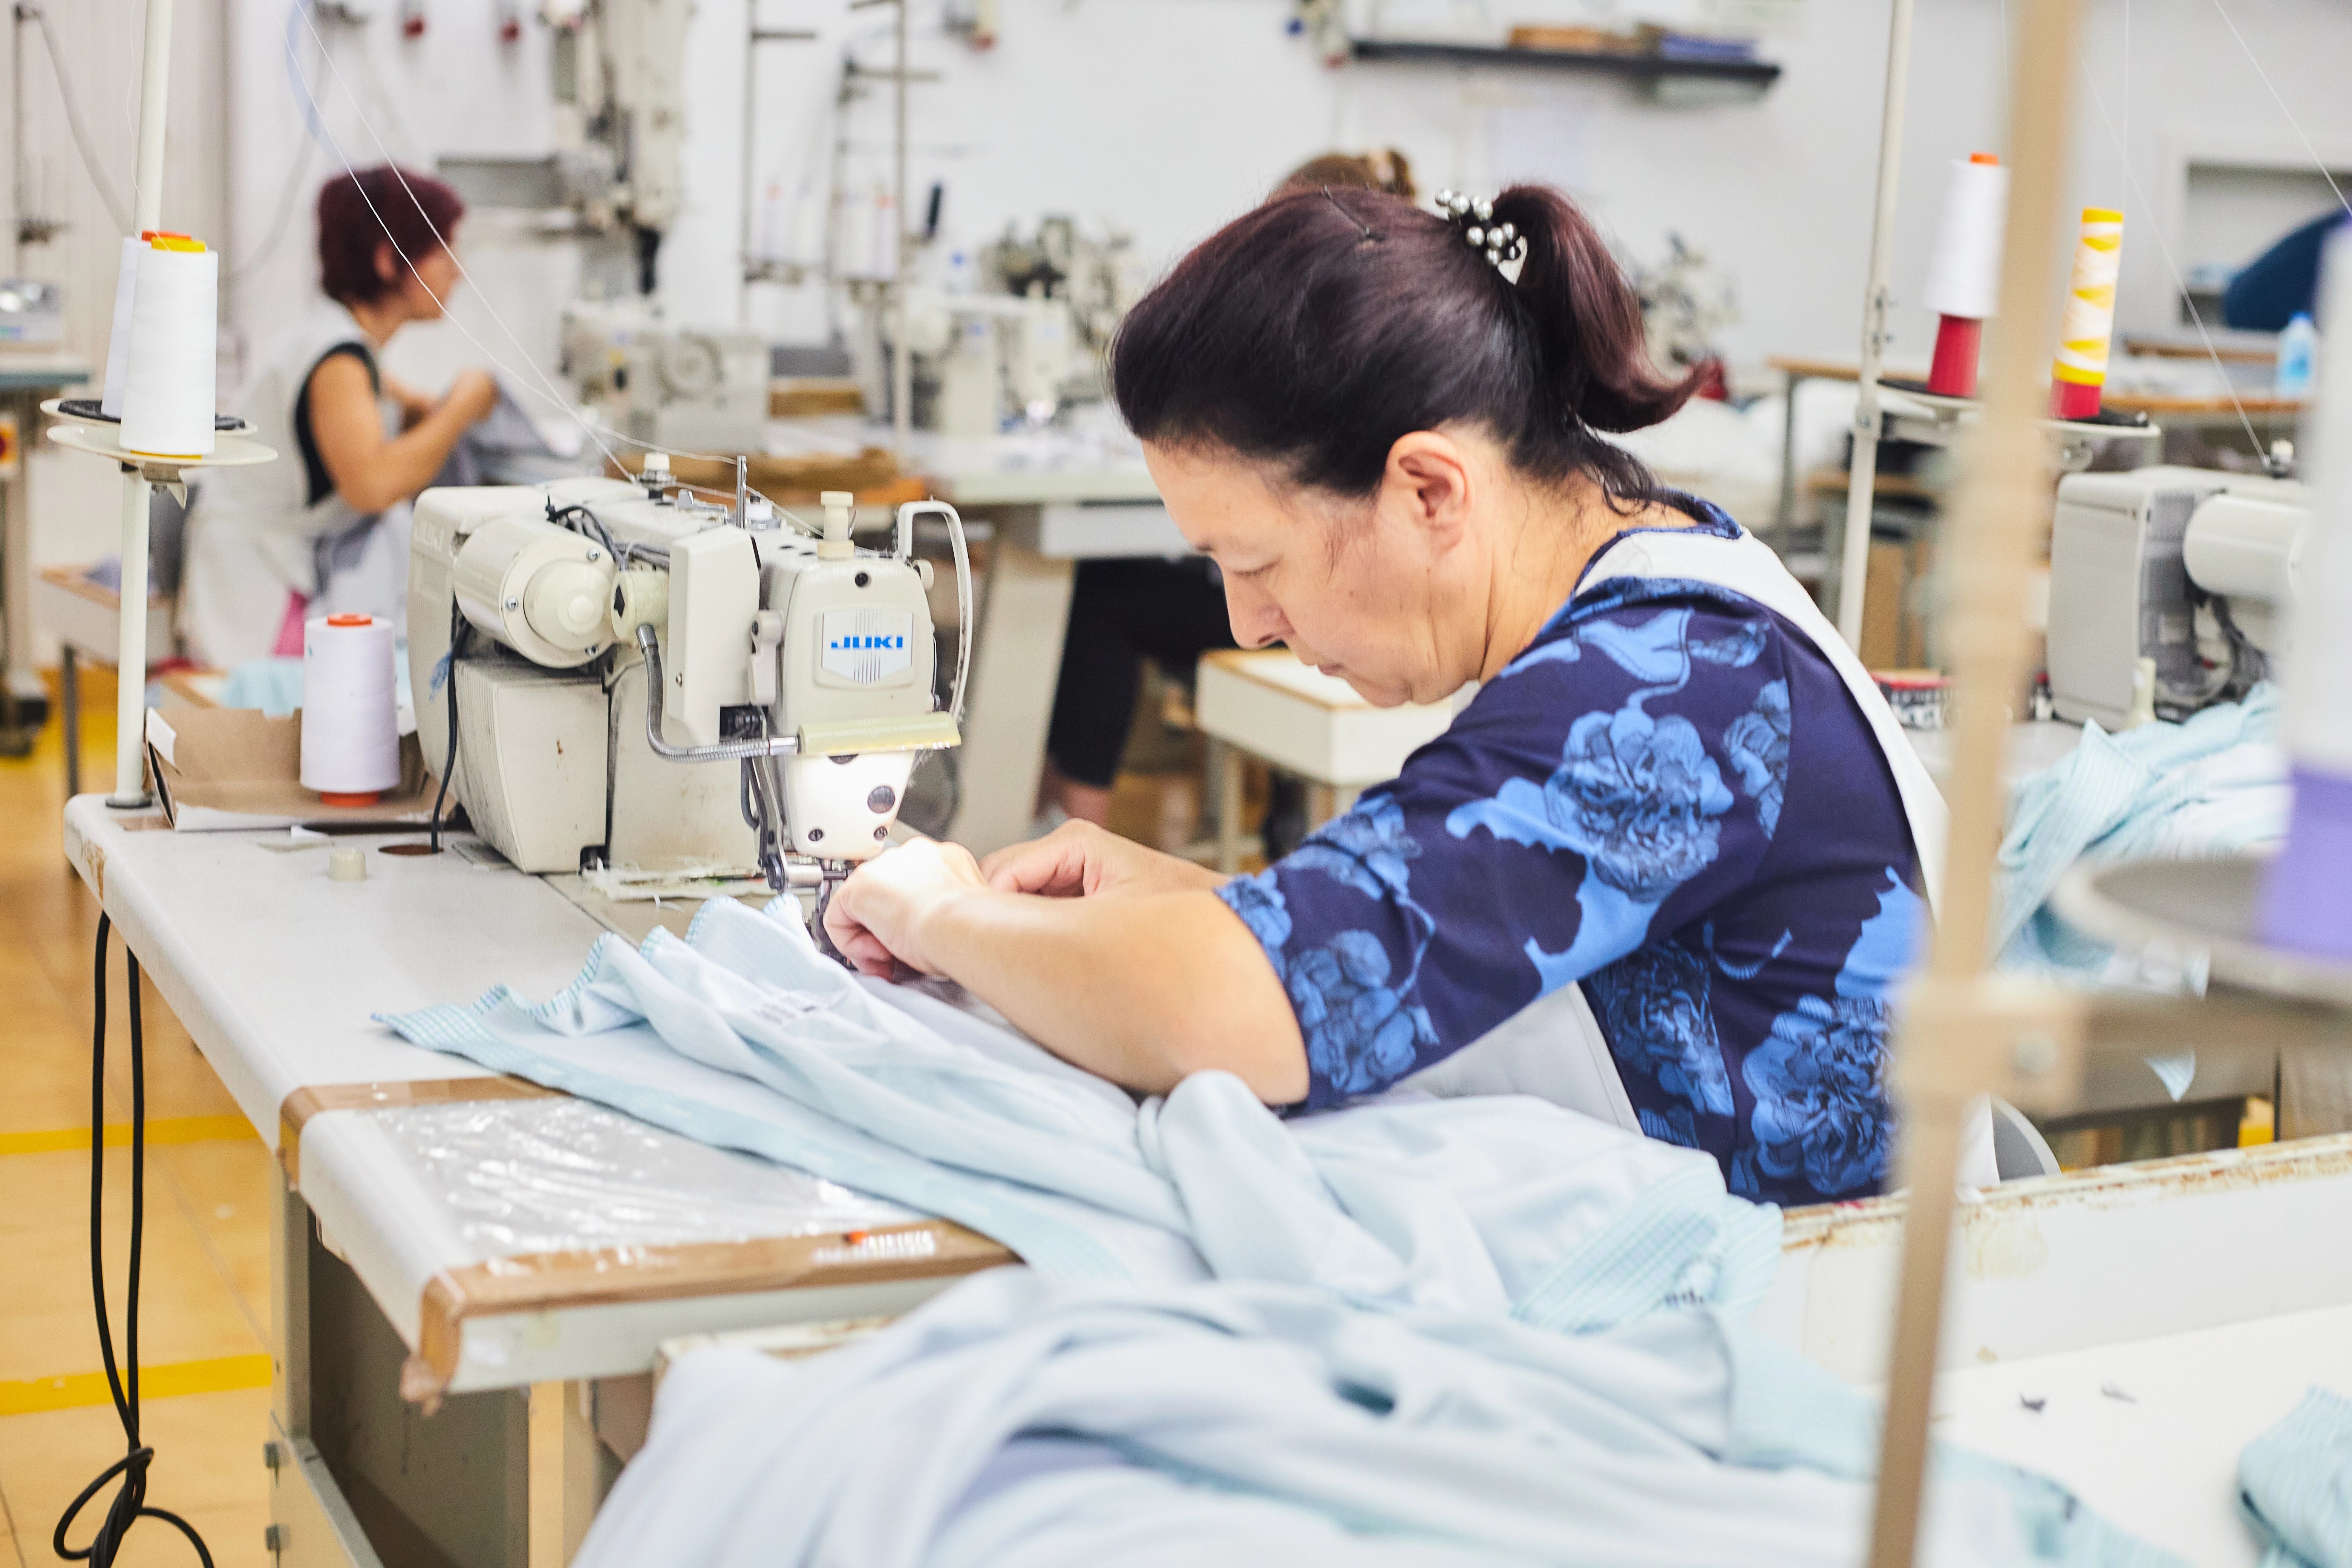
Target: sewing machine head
x: 644, y: 680
x: 2191, y: 568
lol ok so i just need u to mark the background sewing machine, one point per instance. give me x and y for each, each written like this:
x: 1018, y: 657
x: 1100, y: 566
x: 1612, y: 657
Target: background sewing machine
x: 695, y: 391
x: 1013, y: 334
x: 632, y: 678
x: 2187, y: 567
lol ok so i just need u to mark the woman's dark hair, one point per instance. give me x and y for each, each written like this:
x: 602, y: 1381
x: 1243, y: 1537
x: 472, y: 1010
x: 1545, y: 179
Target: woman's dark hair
x: 417, y: 221
x: 1319, y: 328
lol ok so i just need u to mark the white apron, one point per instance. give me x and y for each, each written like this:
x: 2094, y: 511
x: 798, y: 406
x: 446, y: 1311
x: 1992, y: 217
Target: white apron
x: 1524, y: 1053
x: 254, y: 536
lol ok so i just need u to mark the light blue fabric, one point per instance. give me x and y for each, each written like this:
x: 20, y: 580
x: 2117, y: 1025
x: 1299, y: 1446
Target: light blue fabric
x: 1019, y: 1422
x: 2214, y: 786
x: 2294, y: 1483
x: 275, y: 684
x: 1464, y: 1333
x: 742, y: 1036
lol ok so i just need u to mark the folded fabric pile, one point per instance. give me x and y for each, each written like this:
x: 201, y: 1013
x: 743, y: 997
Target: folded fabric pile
x: 1411, y: 1331
x: 2215, y: 785
x: 2295, y: 1484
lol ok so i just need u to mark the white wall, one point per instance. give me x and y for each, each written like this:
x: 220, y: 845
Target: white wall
x: 76, y: 499
x: 1165, y: 117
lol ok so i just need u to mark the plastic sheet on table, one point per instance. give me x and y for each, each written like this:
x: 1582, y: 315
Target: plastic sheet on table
x: 555, y: 1175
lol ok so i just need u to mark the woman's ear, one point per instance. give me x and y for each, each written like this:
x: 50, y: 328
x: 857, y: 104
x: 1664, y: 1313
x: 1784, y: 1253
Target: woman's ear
x: 1429, y: 474
x: 387, y: 265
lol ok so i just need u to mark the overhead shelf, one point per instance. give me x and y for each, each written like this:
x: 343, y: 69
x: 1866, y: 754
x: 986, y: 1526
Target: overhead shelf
x: 1640, y: 68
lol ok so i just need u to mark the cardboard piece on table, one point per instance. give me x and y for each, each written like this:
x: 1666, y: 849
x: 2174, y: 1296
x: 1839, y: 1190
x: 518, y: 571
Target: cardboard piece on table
x: 221, y: 769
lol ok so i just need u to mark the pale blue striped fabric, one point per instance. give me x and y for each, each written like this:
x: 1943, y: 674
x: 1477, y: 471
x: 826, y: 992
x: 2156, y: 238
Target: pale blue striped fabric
x: 1413, y: 1333
x: 743, y: 1036
x: 2215, y: 785
x: 2294, y: 1483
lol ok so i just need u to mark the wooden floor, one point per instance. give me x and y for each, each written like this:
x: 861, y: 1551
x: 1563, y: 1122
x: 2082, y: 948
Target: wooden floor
x: 204, y: 1318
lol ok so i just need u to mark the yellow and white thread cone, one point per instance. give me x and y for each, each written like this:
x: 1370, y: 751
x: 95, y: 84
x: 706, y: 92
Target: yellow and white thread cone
x: 2081, y: 371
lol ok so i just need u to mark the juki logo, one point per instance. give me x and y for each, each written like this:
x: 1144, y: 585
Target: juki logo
x: 867, y: 647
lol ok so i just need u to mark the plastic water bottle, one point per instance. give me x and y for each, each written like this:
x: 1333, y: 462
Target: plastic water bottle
x: 2298, y: 357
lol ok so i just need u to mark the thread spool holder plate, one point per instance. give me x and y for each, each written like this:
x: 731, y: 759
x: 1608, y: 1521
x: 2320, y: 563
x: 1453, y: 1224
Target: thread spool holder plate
x: 2210, y: 905
x: 76, y: 411
x: 105, y: 441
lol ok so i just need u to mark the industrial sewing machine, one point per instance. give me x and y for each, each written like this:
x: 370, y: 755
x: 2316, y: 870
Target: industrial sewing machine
x: 684, y: 388
x: 2190, y: 568
x: 631, y: 676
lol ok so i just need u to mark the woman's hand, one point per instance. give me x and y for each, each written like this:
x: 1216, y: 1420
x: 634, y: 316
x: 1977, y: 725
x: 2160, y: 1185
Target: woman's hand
x: 1078, y: 861
x: 472, y: 395
x: 878, y: 916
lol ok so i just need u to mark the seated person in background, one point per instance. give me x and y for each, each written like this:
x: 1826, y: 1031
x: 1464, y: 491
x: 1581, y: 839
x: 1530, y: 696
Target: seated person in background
x: 324, y: 530
x: 2282, y: 282
x: 1170, y: 612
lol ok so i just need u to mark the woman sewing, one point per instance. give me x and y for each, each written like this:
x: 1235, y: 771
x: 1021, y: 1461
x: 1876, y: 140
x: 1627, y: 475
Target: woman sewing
x: 325, y: 529
x: 1670, y: 860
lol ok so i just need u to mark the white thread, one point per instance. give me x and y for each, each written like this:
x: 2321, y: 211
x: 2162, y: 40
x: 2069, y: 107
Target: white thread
x: 1963, y: 272
x: 350, y: 738
x: 2179, y: 284
x: 170, y: 378
x: 118, y: 342
x: 2309, y: 150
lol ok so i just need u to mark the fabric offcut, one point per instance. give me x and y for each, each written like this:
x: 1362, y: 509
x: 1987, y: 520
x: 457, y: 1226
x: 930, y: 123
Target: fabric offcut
x: 2215, y: 786
x: 1412, y: 1332
x: 2294, y: 1485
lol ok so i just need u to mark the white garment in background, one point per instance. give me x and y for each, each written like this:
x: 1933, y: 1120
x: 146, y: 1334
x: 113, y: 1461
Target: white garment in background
x: 255, y: 536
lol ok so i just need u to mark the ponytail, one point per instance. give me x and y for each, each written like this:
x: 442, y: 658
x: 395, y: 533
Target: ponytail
x: 1317, y: 330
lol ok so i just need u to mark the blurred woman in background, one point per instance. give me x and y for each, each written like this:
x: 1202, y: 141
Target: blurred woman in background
x: 324, y: 530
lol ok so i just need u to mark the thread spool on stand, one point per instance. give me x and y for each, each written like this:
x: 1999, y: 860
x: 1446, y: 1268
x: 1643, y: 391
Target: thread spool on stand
x: 2079, y: 376
x: 170, y: 371
x: 350, y: 735
x: 1964, y: 276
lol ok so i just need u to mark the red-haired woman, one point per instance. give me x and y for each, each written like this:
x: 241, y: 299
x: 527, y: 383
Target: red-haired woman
x: 1666, y: 867
x: 324, y: 530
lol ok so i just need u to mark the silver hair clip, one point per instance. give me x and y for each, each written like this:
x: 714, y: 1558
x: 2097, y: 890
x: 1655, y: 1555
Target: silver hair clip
x: 1369, y: 233
x: 1473, y: 219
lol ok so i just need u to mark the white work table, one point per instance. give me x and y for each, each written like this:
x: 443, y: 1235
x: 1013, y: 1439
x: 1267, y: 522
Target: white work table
x: 2200, y: 1286
x: 510, y: 1240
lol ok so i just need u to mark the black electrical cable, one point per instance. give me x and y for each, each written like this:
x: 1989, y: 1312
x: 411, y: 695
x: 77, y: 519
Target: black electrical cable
x: 129, y: 1504
x: 449, y: 755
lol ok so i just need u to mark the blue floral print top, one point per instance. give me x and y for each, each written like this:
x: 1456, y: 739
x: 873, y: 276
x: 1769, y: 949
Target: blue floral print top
x: 1671, y: 798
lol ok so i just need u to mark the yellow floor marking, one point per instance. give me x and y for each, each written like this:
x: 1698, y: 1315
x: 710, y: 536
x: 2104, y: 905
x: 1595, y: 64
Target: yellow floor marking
x: 162, y: 1130
x: 216, y: 1375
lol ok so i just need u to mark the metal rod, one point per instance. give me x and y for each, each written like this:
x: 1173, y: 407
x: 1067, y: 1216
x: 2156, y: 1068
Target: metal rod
x: 749, y: 184
x: 2004, y: 504
x: 1863, y: 474
x: 902, y: 364
x: 649, y: 644
x: 131, y: 662
x: 17, y: 197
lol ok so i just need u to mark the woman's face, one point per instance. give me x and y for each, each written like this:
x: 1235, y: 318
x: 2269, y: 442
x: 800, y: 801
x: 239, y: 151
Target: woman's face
x: 1390, y: 593
x: 423, y: 292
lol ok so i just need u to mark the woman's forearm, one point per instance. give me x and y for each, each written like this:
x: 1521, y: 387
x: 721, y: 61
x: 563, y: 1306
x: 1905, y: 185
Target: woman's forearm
x: 1142, y: 988
x: 406, y: 464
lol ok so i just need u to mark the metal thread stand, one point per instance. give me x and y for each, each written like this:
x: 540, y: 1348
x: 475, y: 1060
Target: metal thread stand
x: 1863, y: 474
